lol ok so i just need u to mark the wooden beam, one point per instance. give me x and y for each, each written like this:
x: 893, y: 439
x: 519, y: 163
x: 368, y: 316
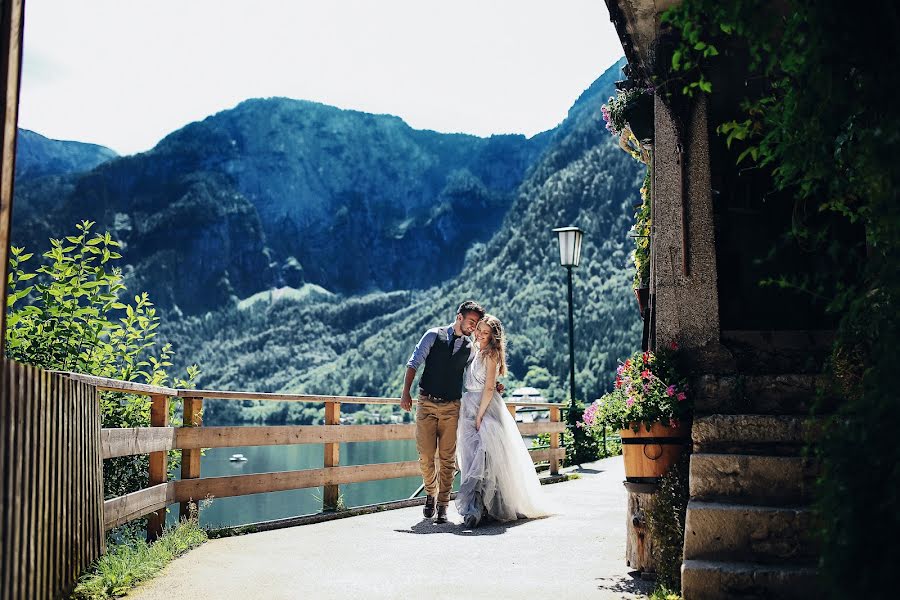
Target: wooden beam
x: 554, y: 441
x: 541, y: 427
x: 12, y: 13
x: 190, y: 459
x: 128, y: 441
x: 224, y: 395
x: 159, y: 419
x: 115, y: 385
x: 331, y: 493
x: 228, y: 437
x: 188, y: 490
x: 547, y: 454
x: 136, y: 504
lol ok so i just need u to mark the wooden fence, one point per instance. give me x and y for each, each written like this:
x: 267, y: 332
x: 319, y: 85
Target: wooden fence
x: 54, y: 517
x: 51, y: 487
x: 189, y: 439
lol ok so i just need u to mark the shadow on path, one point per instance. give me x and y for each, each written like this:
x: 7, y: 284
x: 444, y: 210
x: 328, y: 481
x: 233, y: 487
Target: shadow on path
x: 630, y: 584
x: 428, y: 527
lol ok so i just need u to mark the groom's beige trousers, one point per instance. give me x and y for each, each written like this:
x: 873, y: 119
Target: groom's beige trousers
x: 436, y: 432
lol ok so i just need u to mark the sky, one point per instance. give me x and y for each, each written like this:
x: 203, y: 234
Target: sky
x: 125, y: 73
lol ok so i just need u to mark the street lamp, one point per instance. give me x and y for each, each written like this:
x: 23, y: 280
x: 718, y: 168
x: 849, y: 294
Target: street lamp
x: 569, y: 257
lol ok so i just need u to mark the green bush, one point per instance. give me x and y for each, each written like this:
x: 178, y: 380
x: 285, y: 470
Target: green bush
x: 666, y: 518
x: 67, y: 314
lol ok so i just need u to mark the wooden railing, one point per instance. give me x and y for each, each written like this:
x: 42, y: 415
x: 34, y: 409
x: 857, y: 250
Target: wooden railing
x: 160, y: 438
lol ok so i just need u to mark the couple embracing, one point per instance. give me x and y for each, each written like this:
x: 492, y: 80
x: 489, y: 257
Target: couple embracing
x: 497, y: 473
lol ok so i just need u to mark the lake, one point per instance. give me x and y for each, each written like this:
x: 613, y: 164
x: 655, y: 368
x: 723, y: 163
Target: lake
x: 278, y: 505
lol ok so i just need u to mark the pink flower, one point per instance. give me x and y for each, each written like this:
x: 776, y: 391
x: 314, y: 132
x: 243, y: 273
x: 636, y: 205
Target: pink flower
x: 681, y: 396
x: 646, y: 388
x: 670, y: 391
x: 645, y: 374
x: 673, y: 423
x: 620, y: 369
x: 629, y: 402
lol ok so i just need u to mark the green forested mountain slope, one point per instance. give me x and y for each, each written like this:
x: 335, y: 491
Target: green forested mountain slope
x: 278, y: 192
x: 333, y: 344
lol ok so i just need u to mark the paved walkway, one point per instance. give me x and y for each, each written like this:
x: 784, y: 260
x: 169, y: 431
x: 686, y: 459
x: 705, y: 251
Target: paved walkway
x: 577, y: 553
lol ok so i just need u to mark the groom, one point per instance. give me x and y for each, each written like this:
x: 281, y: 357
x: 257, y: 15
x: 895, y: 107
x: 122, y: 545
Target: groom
x: 445, y: 351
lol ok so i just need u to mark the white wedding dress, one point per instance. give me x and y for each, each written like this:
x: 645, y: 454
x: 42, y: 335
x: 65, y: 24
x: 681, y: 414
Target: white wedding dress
x: 497, y: 474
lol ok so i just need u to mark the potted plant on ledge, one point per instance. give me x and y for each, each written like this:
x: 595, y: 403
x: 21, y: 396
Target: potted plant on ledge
x: 641, y: 255
x: 651, y: 407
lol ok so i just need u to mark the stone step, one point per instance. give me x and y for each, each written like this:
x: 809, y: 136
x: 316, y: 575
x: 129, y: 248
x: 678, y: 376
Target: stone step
x: 748, y: 533
x: 787, y: 394
x: 713, y: 580
x: 752, y: 434
x: 752, y: 479
x: 778, y: 351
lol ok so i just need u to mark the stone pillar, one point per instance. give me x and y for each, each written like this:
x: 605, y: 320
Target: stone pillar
x: 683, y: 263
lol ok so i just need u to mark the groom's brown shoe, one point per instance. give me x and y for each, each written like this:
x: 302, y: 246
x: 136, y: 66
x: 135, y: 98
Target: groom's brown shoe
x: 428, y: 511
x: 442, y: 515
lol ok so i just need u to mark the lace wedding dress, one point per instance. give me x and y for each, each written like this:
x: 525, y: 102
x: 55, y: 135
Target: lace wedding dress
x: 496, y: 472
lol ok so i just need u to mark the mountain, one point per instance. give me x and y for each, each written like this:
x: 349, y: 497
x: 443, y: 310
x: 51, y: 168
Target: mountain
x: 38, y: 156
x: 313, y: 341
x: 278, y: 192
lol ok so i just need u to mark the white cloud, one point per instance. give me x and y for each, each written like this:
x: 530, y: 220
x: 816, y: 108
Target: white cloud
x: 124, y: 73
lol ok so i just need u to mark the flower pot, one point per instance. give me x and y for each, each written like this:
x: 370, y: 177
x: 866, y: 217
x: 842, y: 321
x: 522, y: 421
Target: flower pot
x: 649, y: 454
x: 643, y: 297
x: 638, y: 113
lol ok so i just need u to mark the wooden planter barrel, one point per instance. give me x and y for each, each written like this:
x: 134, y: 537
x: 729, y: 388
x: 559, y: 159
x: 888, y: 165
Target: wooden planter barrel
x: 649, y: 454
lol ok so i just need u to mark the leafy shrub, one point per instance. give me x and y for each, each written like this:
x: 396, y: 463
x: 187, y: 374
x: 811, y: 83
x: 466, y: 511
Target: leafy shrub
x: 67, y: 315
x: 665, y: 518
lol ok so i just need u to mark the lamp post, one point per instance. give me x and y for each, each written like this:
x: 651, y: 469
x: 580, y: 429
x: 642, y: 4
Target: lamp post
x: 569, y: 257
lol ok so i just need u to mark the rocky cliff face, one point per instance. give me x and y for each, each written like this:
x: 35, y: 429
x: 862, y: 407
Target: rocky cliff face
x: 281, y: 192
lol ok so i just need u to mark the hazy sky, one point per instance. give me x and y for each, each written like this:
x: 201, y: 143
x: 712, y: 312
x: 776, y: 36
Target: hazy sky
x: 125, y: 73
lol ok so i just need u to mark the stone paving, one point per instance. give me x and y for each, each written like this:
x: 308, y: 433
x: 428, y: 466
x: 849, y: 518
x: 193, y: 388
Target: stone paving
x: 577, y: 553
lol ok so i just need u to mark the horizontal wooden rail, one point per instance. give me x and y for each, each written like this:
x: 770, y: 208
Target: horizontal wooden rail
x: 136, y: 504
x: 257, y: 483
x: 547, y: 454
x: 116, y: 385
x: 127, y: 441
x: 541, y: 427
x: 143, y: 440
x: 229, y: 437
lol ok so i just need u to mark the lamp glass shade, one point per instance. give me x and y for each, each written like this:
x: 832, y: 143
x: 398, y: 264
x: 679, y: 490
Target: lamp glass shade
x: 569, y: 246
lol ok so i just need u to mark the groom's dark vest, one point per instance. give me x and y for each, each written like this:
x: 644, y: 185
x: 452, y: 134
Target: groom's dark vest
x: 444, y: 372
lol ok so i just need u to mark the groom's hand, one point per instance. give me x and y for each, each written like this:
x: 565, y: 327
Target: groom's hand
x: 406, y: 401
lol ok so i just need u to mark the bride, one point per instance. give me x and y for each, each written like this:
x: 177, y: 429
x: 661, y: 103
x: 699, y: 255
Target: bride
x: 497, y: 476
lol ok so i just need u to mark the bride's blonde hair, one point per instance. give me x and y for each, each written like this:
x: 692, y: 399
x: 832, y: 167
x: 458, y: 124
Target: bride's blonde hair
x: 496, y: 347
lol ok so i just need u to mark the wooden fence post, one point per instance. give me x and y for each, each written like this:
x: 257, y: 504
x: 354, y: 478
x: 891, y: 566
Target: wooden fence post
x: 554, y: 441
x: 190, y: 459
x: 331, y: 493
x: 159, y: 417
x: 512, y: 410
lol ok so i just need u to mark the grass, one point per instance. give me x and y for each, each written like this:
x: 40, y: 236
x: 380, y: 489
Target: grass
x: 664, y: 593
x: 125, y: 566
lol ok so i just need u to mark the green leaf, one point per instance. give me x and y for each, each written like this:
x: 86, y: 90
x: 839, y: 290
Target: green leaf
x: 676, y: 60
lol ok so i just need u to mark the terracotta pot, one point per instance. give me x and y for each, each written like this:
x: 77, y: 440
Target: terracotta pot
x: 649, y: 454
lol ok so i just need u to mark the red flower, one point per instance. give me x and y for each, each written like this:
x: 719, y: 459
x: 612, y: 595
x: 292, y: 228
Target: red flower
x: 646, y: 357
x: 681, y: 396
x: 627, y: 363
x: 618, y: 382
x: 645, y: 374
x: 673, y: 345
